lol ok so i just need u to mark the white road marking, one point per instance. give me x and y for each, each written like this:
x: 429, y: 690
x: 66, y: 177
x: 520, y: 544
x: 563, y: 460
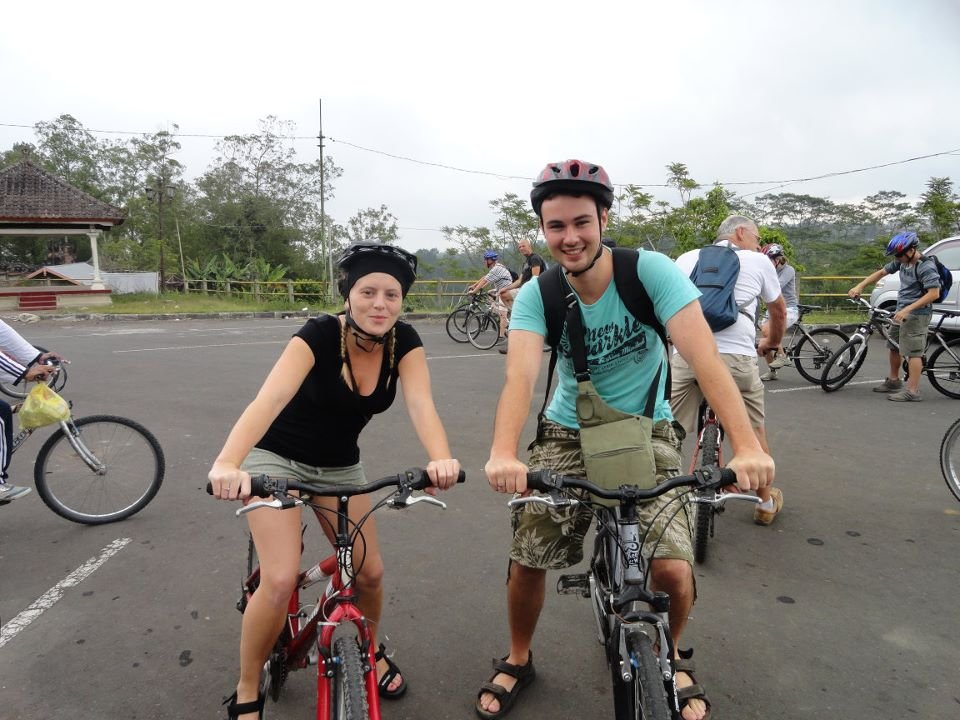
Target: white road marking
x: 51, y: 596
x: 457, y: 357
x: 818, y: 388
x: 199, y: 347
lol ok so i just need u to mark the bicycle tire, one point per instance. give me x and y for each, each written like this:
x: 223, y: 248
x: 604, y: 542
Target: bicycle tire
x: 483, y: 330
x: 457, y: 324
x: 843, y: 365
x: 56, y: 382
x: 132, y: 469
x: 950, y: 468
x: 813, y: 351
x: 709, y: 455
x: 644, y: 697
x: 944, y: 371
x: 349, y: 694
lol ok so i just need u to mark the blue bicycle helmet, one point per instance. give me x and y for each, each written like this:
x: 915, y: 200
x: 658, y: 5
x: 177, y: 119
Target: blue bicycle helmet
x: 901, y: 242
x: 491, y: 255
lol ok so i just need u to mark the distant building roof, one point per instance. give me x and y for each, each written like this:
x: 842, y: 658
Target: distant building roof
x: 34, y: 198
x: 74, y: 272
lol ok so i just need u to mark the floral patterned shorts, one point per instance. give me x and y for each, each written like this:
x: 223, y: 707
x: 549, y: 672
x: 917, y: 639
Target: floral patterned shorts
x: 552, y: 538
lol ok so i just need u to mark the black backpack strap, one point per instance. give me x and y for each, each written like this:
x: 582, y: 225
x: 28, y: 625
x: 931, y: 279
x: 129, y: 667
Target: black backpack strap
x: 638, y: 302
x: 553, y: 295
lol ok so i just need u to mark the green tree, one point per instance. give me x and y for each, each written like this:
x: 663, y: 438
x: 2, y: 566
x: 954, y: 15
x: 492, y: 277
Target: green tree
x: 373, y: 225
x: 940, y: 205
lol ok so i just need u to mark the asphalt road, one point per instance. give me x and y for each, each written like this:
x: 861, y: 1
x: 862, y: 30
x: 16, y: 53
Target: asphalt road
x: 846, y: 607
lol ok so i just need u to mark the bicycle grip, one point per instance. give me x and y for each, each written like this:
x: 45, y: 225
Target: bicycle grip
x: 727, y: 477
x: 256, y: 486
x: 423, y: 481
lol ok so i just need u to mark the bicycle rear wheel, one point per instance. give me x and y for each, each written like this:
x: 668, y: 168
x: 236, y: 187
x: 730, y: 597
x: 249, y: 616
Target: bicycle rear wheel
x: 943, y: 369
x: 129, y: 469
x: 813, y: 351
x: 457, y: 324
x: 950, y: 458
x: 349, y: 692
x: 841, y: 368
x: 704, y: 513
x: 644, y: 697
x: 483, y: 330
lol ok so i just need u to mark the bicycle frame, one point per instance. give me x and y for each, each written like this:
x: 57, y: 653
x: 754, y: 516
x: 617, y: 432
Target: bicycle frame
x: 337, y: 606
x: 317, y: 629
x: 627, y: 603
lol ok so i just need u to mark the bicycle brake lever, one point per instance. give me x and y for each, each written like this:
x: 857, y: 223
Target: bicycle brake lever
x: 719, y: 499
x: 413, y: 500
x: 278, y: 503
x: 550, y: 499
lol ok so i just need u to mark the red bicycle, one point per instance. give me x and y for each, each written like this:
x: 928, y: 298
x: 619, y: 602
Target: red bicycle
x: 345, y: 660
x: 709, y: 503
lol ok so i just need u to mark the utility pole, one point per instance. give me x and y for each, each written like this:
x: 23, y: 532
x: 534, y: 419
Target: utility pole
x: 158, y: 192
x: 323, y: 216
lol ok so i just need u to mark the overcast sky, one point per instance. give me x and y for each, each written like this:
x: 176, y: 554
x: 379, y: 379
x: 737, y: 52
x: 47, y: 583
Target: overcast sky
x: 739, y: 91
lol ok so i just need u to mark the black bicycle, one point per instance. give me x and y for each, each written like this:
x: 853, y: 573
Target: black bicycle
x: 942, y: 367
x: 632, y: 621
x: 468, y: 305
x: 809, y: 350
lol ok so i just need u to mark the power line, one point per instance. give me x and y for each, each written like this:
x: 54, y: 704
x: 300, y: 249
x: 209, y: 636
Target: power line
x: 506, y: 176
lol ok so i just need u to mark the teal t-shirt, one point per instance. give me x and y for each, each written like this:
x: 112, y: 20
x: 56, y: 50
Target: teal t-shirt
x: 623, y: 354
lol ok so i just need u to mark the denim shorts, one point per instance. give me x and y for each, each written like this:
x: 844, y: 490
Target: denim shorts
x: 552, y: 538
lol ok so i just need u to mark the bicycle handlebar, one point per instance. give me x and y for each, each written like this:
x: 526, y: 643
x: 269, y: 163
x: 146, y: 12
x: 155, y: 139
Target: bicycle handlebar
x: 704, y: 478
x: 412, y: 479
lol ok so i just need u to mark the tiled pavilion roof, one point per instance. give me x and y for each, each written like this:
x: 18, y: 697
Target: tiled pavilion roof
x: 32, y: 197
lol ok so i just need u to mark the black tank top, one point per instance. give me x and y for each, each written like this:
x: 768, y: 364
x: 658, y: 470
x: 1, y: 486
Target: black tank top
x: 321, y: 423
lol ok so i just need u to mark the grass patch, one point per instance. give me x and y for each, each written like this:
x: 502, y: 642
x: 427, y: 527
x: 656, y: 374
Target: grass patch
x: 150, y: 303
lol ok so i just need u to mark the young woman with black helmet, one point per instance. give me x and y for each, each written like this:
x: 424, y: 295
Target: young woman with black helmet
x: 335, y: 374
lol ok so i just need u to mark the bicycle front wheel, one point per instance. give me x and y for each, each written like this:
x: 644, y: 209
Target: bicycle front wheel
x: 950, y: 458
x: 644, y: 697
x: 457, y: 324
x: 844, y: 364
x: 703, y: 513
x: 128, y: 467
x: 349, y: 693
x: 943, y: 369
x: 483, y: 330
x: 813, y: 351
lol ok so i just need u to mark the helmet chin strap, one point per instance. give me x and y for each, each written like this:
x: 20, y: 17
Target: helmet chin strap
x: 361, y: 334
x: 594, y: 262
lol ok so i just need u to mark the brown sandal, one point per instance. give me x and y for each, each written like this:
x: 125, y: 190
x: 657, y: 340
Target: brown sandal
x: 524, y: 674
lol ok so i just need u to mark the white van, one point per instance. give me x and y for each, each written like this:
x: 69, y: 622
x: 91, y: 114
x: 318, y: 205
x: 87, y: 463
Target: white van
x: 884, y: 294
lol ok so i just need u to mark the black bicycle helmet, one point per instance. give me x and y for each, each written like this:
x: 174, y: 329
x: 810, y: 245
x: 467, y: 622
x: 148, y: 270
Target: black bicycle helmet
x: 575, y: 177
x: 362, y: 258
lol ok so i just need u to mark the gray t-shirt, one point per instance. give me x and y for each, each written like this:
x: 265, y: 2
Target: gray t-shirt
x: 788, y: 285
x: 915, y: 280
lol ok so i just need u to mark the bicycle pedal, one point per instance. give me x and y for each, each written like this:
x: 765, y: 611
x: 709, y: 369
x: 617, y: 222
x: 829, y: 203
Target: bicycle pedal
x: 574, y: 585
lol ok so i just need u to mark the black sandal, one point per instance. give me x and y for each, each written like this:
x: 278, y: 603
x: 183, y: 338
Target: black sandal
x: 524, y: 674
x: 692, y: 692
x: 235, y: 709
x: 383, y: 686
